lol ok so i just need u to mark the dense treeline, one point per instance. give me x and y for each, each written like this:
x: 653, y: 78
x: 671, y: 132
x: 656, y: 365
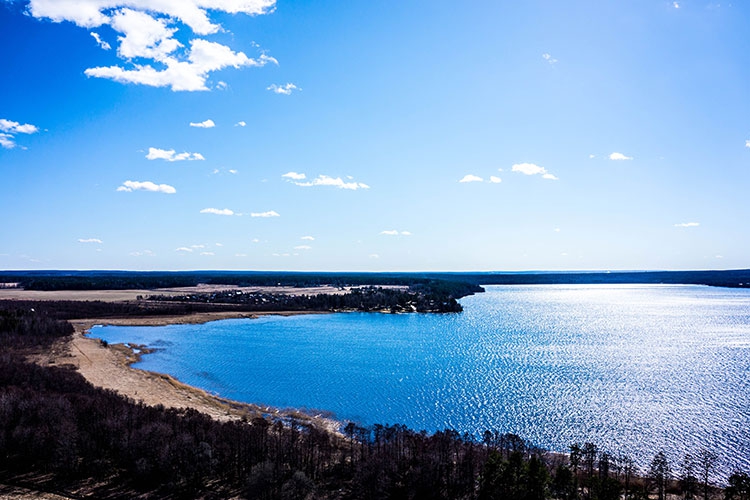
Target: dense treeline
x: 97, y: 280
x: 59, y: 433
x: 424, y: 299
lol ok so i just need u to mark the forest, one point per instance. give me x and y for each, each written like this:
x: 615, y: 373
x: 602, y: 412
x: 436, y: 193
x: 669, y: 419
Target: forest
x: 58, y: 433
x: 461, y: 283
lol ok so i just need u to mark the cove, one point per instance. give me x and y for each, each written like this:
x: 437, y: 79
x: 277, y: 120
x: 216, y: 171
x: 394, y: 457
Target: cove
x: 633, y: 368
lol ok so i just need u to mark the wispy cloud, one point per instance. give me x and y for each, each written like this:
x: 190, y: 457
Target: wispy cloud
x: 204, y: 124
x: 147, y: 36
x: 101, y: 43
x: 294, y: 176
x: 172, y: 155
x: 303, y: 247
x: 208, y: 253
x: 307, y: 238
x: 90, y: 240
x: 285, y: 89
x: 532, y: 169
x: 549, y: 58
x: 217, y: 211
x: 240, y: 124
x: 747, y: 143
x: 325, y: 180
x: 395, y: 232
x: 688, y: 224
x: 676, y: 5
x: 270, y: 213
x: 619, y: 157
x: 495, y: 180
x: 8, y: 129
x: 143, y: 253
x: 184, y: 249
x: 471, y: 178
x: 7, y: 141
x: 128, y: 186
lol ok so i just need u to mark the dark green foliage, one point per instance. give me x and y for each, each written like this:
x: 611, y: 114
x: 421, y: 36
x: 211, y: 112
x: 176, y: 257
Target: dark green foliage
x: 739, y: 487
x: 468, y: 282
x: 422, y: 299
x: 659, y: 473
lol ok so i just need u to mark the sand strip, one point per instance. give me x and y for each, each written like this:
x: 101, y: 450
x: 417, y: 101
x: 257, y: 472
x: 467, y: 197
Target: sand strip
x: 109, y: 367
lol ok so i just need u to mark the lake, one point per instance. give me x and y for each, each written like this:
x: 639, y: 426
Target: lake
x: 633, y: 368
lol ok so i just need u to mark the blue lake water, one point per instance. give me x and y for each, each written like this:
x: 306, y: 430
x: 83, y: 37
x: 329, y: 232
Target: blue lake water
x: 633, y: 368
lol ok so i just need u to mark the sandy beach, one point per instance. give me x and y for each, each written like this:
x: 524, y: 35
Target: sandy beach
x: 109, y: 367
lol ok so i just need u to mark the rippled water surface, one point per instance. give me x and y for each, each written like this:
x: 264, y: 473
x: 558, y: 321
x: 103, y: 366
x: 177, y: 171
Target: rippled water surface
x: 634, y: 369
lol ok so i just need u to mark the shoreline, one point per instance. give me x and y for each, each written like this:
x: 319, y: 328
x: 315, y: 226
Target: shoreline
x: 109, y: 367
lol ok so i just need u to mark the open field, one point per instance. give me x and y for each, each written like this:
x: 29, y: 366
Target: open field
x: 131, y: 295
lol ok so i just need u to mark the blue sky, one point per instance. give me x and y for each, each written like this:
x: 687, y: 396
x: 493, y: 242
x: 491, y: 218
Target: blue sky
x: 414, y: 135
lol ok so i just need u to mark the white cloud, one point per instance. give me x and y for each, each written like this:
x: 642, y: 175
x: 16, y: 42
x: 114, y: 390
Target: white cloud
x: 197, y: 246
x: 232, y: 171
x: 8, y: 128
x: 129, y: 186
x: 303, y: 247
x: 307, y: 238
x: 285, y: 89
x: 256, y: 240
x: 270, y: 213
x: 557, y: 229
x: 7, y: 141
x: 374, y: 256
x: 207, y: 253
x: 532, y: 169
x: 181, y: 75
x: 549, y: 58
x: 184, y: 249
x: 203, y: 124
x: 104, y: 45
x: 294, y: 176
x: 172, y: 155
x: 592, y: 156
x: 217, y: 211
x: 688, y: 224
x: 219, y: 244
x: 676, y: 5
x: 240, y: 255
x: 148, y: 31
x: 495, y: 180
x: 90, y: 240
x: 747, y: 143
x: 394, y: 232
x: 17, y: 128
x: 240, y: 124
x: 471, y: 178
x: 619, y: 157
x: 325, y: 180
